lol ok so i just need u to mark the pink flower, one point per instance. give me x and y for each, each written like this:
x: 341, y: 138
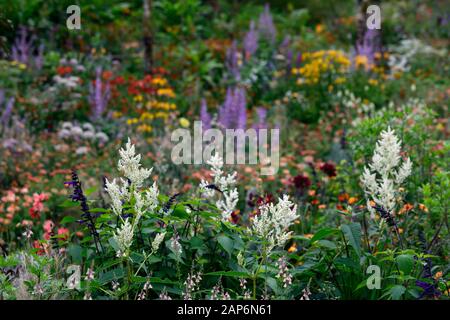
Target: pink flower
x: 38, y: 205
x: 48, y: 226
x: 64, y: 232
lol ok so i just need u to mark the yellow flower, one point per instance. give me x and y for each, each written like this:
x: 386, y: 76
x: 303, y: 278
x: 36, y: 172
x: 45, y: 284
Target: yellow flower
x: 361, y: 61
x: 116, y: 114
x: 138, y: 98
x: 184, y: 122
x: 373, y: 82
x: 22, y: 66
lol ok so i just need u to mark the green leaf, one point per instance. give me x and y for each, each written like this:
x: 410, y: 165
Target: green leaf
x: 322, y: 233
x: 352, y: 233
x: 68, y: 220
x: 236, y: 274
x: 68, y: 204
x: 397, y: 292
x: 405, y: 263
x: 226, y: 243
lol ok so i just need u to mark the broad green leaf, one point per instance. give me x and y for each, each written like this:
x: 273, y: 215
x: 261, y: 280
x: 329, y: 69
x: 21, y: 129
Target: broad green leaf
x: 322, y: 233
x: 68, y: 220
x: 226, y: 243
x: 405, y: 263
x: 397, y: 292
x: 352, y: 233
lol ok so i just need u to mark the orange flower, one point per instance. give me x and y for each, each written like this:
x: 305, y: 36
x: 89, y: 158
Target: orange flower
x: 322, y: 206
x: 407, y: 207
x: 292, y: 248
x: 352, y: 200
x: 423, y: 207
x: 343, y: 197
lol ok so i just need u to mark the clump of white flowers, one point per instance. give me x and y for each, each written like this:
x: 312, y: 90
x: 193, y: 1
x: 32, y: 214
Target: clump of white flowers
x: 273, y: 222
x: 124, y: 238
x: 130, y: 165
x: 122, y: 191
x: 384, y: 175
x: 226, y: 184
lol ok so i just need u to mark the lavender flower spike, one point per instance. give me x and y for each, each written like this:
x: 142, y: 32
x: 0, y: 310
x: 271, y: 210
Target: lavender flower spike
x: 232, y: 61
x: 266, y: 26
x: 251, y: 41
x: 7, y: 113
x: 98, y: 98
x: 205, y: 117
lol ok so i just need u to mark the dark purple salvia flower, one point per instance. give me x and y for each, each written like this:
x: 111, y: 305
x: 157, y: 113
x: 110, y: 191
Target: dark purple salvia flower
x: 99, y: 95
x: 251, y: 41
x: 231, y: 61
x: 369, y: 44
x: 87, y: 216
x: 7, y: 112
x: 266, y: 26
x: 205, y: 117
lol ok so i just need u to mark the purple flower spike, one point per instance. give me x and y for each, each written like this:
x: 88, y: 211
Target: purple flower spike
x: 98, y: 98
x: 205, y: 117
x: 266, y: 26
x: 7, y: 112
x: 251, y: 41
x: 369, y: 45
x: 232, y: 61
x: 233, y: 112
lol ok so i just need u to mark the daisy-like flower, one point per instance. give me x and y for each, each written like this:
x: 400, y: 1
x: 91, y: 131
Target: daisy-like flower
x: 384, y: 175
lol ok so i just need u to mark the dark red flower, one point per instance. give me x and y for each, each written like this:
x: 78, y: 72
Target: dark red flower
x: 302, y: 182
x: 329, y: 169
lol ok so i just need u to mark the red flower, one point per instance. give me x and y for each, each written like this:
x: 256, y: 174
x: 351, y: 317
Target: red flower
x: 38, y: 245
x: 62, y: 70
x: 302, y: 182
x: 329, y: 169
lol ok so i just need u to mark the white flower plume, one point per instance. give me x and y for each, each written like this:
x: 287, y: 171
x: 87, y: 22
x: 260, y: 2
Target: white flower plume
x: 225, y: 183
x: 130, y: 165
x: 274, y: 220
x: 381, y: 179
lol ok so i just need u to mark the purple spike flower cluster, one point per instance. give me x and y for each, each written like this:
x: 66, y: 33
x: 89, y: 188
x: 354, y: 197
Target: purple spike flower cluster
x: 24, y: 51
x: 231, y: 61
x: 8, y: 108
x: 266, y: 26
x: 99, y: 95
x: 262, y: 116
x: 251, y: 41
x: 233, y: 112
x: 369, y: 44
x: 205, y: 117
